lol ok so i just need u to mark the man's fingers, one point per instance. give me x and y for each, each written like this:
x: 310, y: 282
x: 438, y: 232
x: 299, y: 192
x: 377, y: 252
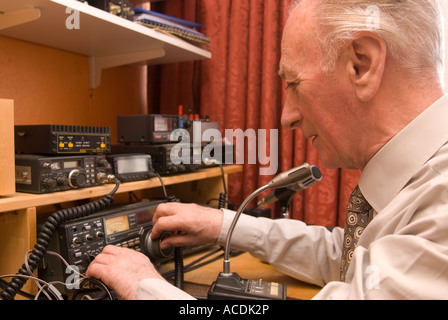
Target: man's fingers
x: 165, y: 209
x: 178, y: 240
x: 166, y: 224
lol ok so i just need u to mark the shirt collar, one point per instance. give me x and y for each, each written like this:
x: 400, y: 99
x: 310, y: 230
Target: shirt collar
x: 397, y: 162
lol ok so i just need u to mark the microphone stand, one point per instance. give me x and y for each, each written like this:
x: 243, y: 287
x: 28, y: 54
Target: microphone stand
x: 285, y: 206
x: 226, y: 264
x: 229, y: 285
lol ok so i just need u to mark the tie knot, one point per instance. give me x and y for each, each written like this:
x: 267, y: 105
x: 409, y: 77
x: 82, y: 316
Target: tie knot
x: 357, y: 203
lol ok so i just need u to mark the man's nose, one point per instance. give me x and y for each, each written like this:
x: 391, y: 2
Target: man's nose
x: 291, y: 116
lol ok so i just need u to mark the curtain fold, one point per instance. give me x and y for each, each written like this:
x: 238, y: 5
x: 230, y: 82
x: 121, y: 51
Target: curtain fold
x: 240, y: 89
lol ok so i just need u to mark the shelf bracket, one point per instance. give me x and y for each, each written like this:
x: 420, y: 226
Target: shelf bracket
x: 16, y: 16
x: 97, y: 64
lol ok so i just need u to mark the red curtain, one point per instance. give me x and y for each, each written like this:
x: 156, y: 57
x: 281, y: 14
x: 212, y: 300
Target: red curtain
x: 240, y: 88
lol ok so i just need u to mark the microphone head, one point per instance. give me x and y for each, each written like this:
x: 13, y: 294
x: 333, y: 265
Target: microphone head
x: 314, y: 177
x: 305, y: 174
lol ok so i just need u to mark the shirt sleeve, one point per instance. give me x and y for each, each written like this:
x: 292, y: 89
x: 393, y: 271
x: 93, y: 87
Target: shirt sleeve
x: 157, y: 289
x: 308, y: 253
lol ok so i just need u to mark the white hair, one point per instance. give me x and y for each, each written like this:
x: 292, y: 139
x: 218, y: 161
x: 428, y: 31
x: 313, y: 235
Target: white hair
x: 412, y: 29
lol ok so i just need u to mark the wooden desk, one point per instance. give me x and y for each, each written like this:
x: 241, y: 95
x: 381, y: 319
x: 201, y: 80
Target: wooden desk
x: 197, y: 282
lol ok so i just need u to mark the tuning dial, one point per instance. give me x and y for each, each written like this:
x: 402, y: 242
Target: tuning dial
x: 152, y: 247
x: 61, y: 181
x: 102, y: 163
x: 77, y: 179
x: 48, y: 183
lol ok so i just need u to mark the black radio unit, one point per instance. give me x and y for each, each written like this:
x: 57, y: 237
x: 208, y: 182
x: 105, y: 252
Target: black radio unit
x: 161, y: 157
x: 131, y: 167
x: 41, y: 174
x: 123, y: 225
x: 151, y: 128
x: 79, y: 241
x: 62, y: 140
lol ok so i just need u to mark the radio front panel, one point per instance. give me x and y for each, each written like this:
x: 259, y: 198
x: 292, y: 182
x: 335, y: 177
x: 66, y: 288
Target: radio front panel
x: 41, y: 174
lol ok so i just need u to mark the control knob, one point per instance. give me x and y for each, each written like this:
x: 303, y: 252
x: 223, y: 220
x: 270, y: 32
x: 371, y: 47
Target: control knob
x: 102, y: 163
x: 77, y: 179
x: 48, y: 183
x: 61, y: 181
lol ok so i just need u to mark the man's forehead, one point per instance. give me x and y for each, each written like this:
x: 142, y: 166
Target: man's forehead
x: 299, y: 39
x: 300, y: 20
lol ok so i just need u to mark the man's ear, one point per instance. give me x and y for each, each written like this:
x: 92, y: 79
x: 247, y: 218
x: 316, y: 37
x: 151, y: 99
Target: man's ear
x: 366, y: 64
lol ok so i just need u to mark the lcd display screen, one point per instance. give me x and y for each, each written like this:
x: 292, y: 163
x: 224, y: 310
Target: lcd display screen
x: 132, y: 165
x: 145, y: 216
x: 71, y: 164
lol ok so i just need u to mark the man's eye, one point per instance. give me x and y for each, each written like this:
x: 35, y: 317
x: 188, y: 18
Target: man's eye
x: 291, y: 85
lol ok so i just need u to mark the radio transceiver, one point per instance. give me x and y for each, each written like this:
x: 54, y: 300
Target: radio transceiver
x: 81, y: 240
x: 152, y: 128
x: 127, y: 225
x: 131, y: 167
x: 161, y: 157
x: 62, y: 140
x: 41, y: 174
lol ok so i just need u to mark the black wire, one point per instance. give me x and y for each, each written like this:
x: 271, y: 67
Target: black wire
x: 24, y: 294
x: 98, y: 283
x: 179, y: 267
x: 195, y: 264
x: 222, y: 196
x: 44, y: 238
x: 223, y: 179
x: 163, y: 185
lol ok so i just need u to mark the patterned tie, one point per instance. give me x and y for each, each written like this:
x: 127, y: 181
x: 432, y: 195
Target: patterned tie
x: 356, y: 220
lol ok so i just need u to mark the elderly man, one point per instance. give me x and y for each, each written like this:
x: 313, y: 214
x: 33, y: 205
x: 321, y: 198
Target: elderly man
x: 364, y: 83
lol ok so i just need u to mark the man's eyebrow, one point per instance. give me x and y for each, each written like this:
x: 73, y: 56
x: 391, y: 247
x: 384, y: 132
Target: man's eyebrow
x: 281, y: 73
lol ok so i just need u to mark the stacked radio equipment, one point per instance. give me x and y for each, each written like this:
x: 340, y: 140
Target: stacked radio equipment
x: 168, y: 139
x: 53, y: 158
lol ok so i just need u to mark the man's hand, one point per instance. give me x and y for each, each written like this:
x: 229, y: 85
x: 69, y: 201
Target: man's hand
x: 122, y: 270
x: 190, y: 224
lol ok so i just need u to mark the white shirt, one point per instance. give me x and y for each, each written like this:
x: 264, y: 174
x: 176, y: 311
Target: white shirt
x: 402, y: 254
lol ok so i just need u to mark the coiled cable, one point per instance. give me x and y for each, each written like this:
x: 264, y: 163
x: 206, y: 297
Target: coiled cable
x: 44, y: 237
x: 179, y: 267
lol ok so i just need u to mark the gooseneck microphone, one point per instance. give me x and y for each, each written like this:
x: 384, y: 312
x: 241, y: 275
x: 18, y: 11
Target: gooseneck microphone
x: 303, y: 176
x: 311, y: 177
x: 230, y: 285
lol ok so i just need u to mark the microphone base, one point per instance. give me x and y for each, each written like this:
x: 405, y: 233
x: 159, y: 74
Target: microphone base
x: 230, y: 286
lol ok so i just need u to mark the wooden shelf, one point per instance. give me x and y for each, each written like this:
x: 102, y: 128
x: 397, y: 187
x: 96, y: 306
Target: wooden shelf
x: 19, y: 212
x: 20, y: 201
x: 107, y: 40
